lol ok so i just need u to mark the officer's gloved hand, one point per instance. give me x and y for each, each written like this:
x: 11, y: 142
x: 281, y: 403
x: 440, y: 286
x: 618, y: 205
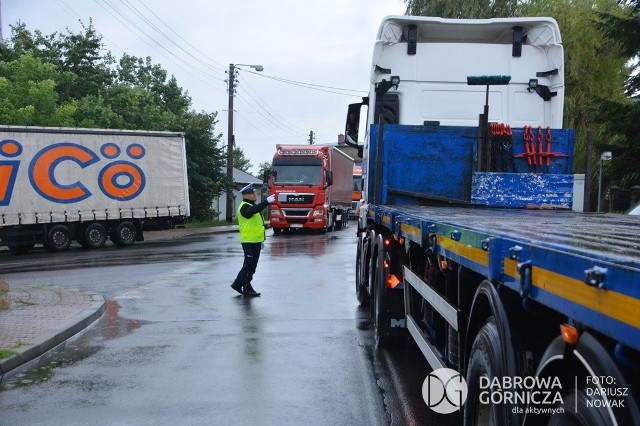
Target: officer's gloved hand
x: 271, y: 198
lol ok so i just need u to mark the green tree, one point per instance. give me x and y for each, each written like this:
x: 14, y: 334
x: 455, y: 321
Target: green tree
x: 136, y: 72
x: 84, y: 69
x: 621, y: 117
x: 28, y: 96
x: 240, y: 162
x: 462, y: 8
x: 205, y: 163
x: 624, y: 29
x: 594, y: 68
x: 262, y: 168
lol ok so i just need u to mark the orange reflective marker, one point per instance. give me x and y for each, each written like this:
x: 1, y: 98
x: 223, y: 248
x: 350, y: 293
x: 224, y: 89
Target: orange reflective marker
x: 569, y: 334
x: 392, y: 281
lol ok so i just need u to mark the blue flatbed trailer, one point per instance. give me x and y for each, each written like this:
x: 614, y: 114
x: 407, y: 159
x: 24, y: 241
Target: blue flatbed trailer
x: 500, y: 279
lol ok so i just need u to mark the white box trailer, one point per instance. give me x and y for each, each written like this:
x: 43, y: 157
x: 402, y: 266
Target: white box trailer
x: 63, y: 184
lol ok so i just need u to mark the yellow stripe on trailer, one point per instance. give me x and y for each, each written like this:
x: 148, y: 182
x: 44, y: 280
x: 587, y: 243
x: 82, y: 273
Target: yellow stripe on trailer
x: 411, y: 230
x: 615, y: 305
x: 474, y: 254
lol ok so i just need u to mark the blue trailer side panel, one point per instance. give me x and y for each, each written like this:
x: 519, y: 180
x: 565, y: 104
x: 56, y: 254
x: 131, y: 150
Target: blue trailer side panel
x: 439, y: 163
x: 417, y: 159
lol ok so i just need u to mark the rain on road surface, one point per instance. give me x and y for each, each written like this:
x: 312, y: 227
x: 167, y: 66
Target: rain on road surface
x: 178, y: 346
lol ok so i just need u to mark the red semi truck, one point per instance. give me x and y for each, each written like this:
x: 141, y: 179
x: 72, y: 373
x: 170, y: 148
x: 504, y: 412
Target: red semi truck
x: 312, y: 184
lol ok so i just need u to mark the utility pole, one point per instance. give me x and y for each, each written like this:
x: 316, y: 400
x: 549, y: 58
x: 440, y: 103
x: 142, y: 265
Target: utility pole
x: 311, y: 137
x: 231, y: 138
x: 230, y: 144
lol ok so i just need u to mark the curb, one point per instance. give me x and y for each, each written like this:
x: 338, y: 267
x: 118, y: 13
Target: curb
x: 30, y: 354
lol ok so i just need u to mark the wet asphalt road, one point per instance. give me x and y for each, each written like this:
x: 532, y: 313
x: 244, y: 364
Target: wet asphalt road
x: 178, y: 346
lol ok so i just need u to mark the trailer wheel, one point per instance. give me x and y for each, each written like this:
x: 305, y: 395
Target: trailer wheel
x: 124, y: 234
x: 59, y: 238
x: 485, y: 360
x: 362, y: 292
x: 330, y: 222
x: 94, y: 236
x: 381, y: 329
x: 385, y: 302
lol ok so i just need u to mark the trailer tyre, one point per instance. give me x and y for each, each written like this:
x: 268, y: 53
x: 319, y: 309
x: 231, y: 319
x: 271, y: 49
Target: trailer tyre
x: 362, y: 292
x: 59, y: 238
x: 330, y: 222
x: 124, y: 234
x: 485, y: 360
x: 385, y: 303
x: 94, y: 236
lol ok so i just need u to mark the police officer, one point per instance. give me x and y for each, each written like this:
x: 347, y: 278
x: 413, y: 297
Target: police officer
x: 252, y: 234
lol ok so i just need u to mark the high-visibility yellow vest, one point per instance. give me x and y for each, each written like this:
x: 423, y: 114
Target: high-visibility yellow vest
x: 251, y: 230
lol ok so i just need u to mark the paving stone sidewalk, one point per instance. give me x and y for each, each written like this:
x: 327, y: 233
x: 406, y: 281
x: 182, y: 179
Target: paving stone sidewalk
x: 42, y: 317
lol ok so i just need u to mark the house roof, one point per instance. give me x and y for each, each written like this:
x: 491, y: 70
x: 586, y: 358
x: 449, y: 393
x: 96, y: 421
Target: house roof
x: 351, y: 152
x: 243, y: 177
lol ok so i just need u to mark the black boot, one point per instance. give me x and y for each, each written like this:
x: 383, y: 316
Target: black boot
x: 237, y: 286
x: 249, y: 291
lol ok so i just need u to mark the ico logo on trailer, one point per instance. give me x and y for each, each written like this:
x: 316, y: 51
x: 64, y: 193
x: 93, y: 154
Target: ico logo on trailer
x: 120, y: 180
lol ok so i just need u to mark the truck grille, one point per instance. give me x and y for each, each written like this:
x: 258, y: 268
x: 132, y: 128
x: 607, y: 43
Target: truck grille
x: 296, y: 212
x: 295, y: 198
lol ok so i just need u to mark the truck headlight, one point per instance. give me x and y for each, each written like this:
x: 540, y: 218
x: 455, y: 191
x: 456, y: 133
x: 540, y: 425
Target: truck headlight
x: 274, y: 212
x: 318, y: 212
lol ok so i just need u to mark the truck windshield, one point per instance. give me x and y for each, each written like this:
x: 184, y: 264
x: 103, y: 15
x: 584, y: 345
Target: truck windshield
x: 289, y: 175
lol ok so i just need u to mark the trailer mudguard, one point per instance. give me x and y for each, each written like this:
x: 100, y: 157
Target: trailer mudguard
x: 486, y: 303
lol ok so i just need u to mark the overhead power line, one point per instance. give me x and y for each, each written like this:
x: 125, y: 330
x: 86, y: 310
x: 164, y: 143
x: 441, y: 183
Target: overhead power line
x: 328, y: 89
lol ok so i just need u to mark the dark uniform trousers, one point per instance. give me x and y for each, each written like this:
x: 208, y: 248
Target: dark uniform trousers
x: 251, y: 256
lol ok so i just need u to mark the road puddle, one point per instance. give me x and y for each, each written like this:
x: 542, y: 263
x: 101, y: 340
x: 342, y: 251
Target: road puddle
x: 80, y: 347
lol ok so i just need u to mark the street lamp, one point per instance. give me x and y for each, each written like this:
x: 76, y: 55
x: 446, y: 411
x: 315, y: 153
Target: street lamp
x: 606, y: 156
x: 230, y: 135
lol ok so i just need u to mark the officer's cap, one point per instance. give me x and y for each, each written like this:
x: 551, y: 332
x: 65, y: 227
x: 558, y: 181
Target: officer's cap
x: 247, y: 189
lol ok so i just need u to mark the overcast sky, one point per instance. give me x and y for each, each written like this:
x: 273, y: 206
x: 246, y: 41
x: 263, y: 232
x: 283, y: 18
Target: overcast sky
x: 325, y: 43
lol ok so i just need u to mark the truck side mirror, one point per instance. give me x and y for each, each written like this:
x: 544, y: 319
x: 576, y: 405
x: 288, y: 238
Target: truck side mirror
x: 353, y: 124
x: 328, y: 177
